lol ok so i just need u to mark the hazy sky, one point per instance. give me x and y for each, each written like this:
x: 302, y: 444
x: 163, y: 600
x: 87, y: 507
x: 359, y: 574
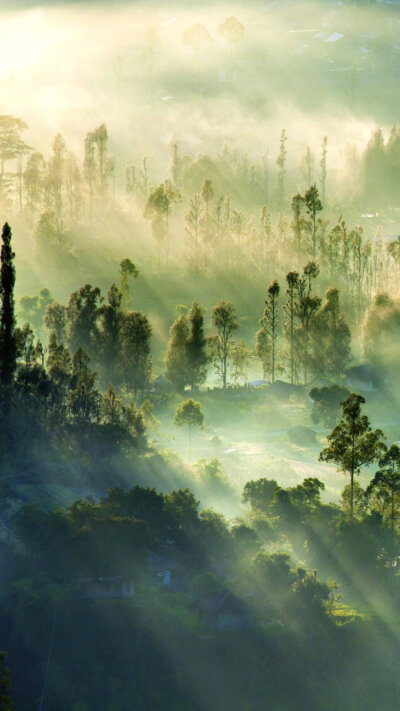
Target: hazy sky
x: 68, y: 67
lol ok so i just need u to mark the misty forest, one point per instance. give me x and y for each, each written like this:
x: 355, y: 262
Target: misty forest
x: 200, y: 355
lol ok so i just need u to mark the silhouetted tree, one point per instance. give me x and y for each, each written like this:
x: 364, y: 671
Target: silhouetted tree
x: 8, y: 345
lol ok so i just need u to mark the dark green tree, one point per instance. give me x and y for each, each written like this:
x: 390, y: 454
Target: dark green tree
x: 331, y: 338
x: 55, y: 319
x: 8, y: 344
x: 259, y: 493
x: 326, y: 403
x: 110, y: 321
x: 5, y: 685
x: 82, y: 314
x: 136, y: 351
x: 127, y: 271
x: 83, y: 398
x: 386, y: 483
x: 306, y: 306
x: 196, y: 354
x: 176, y: 357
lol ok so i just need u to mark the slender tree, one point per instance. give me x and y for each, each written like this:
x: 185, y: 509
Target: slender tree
x: 268, y: 334
x: 323, y: 166
x: 189, y: 413
x: 313, y: 206
x: 192, y: 228
x: 8, y: 345
x: 290, y: 320
x: 306, y: 307
x: 196, y: 353
x: 352, y: 444
x: 207, y: 195
x: 281, y: 163
x: 298, y: 222
x: 176, y: 357
x: 55, y: 177
x: 225, y: 320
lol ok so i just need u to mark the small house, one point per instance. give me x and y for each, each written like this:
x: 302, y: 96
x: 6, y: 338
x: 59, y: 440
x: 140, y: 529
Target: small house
x: 164, y: 572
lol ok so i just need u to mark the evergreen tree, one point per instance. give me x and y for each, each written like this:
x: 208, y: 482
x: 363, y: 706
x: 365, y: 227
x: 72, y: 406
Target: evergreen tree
x: 127, y: 271
x: 298, y: 223
x: 290, y: 321
x: 196, y: 354
x: 136, y: 351
x: 59, y: 368
x: 82, y: 314
x: 176, y: 357
x: 110, y: 317
x: 331, y: 338
x: 55, y: 319
x: 323, y: 166
x: 307, y: 168
x: 225, y: 320
x: 313, y: 206
x: 306, y: 307
x: 192, y: 227
x: 207, y: 194
x: 55, y: 177
x: 34, y: 180
x: 268, y: 333
x: 281, y: 163
x: 83, y: 399
x: 8, y: 345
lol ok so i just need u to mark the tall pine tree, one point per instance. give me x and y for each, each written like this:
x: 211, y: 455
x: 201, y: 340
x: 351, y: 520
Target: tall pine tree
x: 8, y: 344
x: 196, y: 348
